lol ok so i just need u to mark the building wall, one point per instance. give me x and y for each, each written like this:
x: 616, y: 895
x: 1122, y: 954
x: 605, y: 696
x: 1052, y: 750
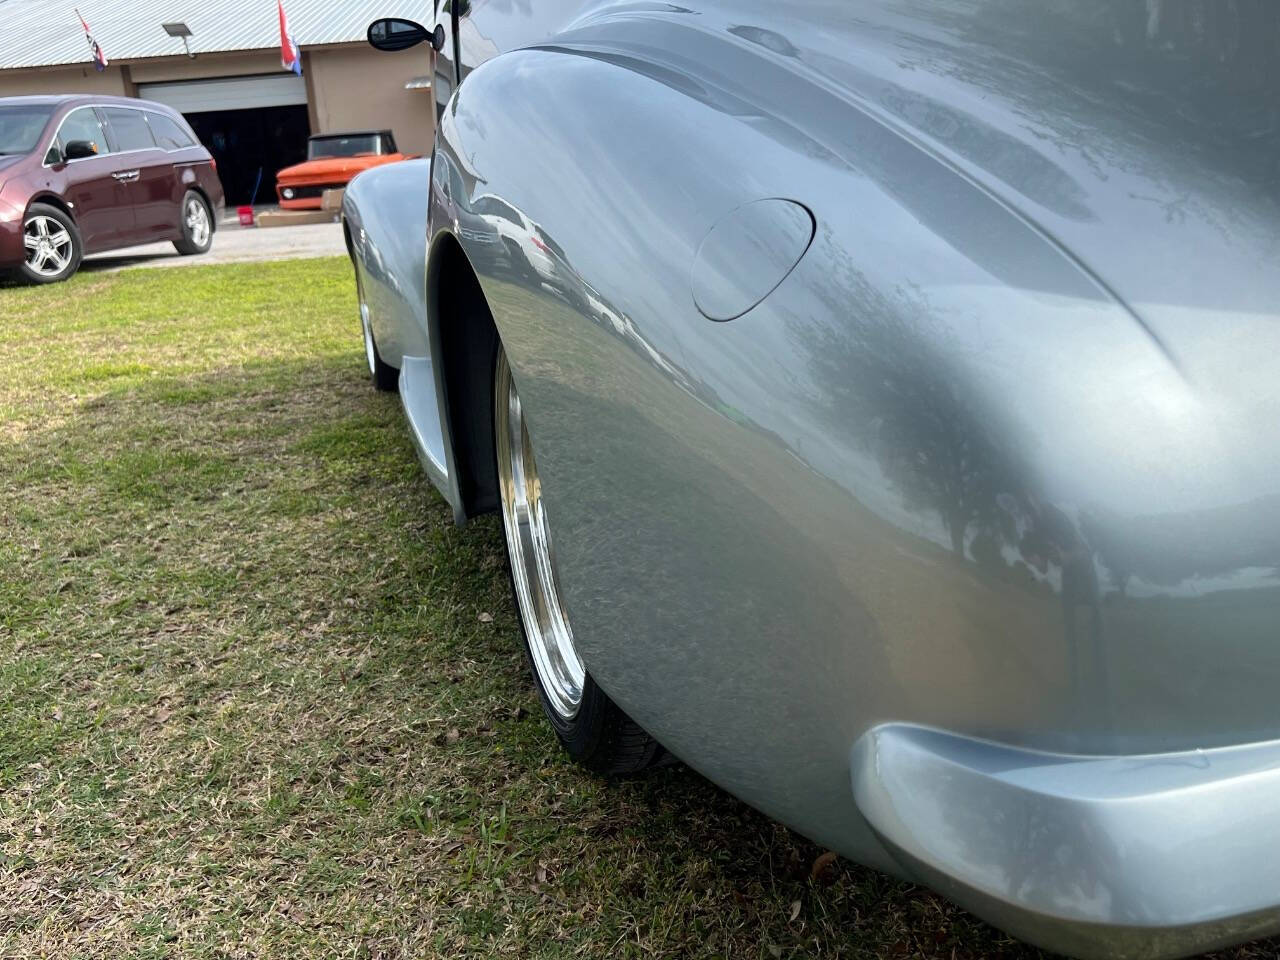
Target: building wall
x: 122, y: 78
x: 17, y: 83
x: 359, y: 88
x: 350, y: 87
x: 206, y: 66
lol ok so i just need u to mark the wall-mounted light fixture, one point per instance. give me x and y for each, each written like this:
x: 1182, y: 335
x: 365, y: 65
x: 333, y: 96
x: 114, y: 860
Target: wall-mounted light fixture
x: 180, y: 30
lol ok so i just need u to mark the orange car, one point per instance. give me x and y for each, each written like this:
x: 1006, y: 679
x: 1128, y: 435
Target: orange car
x: 332, y: 160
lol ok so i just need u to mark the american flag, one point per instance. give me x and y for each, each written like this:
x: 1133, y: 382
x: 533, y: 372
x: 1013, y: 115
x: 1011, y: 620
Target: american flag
x: 99, y: 58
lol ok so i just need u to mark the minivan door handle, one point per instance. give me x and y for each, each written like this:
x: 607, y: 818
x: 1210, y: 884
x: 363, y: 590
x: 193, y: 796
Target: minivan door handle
x: 127, y: 175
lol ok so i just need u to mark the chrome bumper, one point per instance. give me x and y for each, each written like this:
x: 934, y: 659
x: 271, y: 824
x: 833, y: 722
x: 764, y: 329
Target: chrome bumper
x: 1156, y: 856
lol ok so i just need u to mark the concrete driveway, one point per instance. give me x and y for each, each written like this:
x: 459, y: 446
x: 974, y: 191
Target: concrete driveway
x: 232, y: 244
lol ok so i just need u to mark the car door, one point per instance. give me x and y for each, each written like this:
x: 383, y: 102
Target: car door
x: 95, y: 193
x: 148, y: 173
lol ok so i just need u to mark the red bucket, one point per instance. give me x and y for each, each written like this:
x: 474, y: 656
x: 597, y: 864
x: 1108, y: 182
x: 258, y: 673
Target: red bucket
x: 246, y: 216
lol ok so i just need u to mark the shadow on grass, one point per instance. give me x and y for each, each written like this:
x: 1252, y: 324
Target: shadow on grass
x: 102, y: 263
x: 115, y: 261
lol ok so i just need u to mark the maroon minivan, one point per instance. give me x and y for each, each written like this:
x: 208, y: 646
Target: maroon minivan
x: 83, y: 174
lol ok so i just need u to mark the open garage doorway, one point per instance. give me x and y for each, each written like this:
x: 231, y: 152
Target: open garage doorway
x: 246, y: 141
x: 247, y: 123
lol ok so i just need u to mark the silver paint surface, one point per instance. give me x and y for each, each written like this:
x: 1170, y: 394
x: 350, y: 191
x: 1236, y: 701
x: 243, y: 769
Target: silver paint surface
x: 998, y: 457
x: 383, y: 219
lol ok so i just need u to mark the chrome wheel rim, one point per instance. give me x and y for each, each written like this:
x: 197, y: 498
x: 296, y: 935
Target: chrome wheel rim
x: 555, y: 658
x: 48, y: 244
x: 197, y: 222
x: 370, y: 354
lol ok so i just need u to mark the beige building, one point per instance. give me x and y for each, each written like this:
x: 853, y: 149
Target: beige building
x: 227, y: 78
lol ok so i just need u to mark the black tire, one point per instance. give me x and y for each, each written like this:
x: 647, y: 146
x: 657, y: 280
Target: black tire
x: 386, y: 378
x: 35, y: 274
x: 599, y: 735
x: 195, y: 212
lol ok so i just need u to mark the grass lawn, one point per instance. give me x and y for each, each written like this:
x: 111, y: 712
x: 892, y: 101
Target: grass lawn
x: 259, y: 698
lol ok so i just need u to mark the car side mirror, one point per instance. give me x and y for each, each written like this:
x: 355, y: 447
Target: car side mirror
x: 80, y: 150
x: 392, y: 34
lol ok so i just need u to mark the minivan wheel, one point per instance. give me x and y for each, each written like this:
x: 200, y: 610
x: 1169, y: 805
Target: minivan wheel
x: 591, y: 727
x: 51, y: 244
x: 197, y: 226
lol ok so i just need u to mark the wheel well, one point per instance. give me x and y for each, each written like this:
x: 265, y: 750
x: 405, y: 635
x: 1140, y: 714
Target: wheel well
x: 52, y: 200
x: 468, y: 345
x: 213, y: 217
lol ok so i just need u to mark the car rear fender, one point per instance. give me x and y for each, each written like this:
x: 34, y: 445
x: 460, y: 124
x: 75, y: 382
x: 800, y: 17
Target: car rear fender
x: 901, y: 486
x: 859, y: 500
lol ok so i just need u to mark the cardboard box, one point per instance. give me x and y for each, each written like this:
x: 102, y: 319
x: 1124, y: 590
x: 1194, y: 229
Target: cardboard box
x: 332, y: 199
x: 294, y: 218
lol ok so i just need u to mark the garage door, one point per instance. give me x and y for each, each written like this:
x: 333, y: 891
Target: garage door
x: 235, y: 93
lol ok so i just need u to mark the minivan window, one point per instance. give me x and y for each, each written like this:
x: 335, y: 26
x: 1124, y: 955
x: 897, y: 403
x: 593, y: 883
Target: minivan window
x: 82, y: 124
x: 130, y: 129
x: 169, y: 136
x: 21, y: 126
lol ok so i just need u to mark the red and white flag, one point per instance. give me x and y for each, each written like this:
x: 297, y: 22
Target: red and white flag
x: 290, y: 57
x: 99, y: 58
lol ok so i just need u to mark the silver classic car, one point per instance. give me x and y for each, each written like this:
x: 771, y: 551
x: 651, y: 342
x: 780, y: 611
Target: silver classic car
x: 882, y: 401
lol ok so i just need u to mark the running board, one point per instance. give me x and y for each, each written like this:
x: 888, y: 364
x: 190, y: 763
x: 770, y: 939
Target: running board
x: 426, y: 426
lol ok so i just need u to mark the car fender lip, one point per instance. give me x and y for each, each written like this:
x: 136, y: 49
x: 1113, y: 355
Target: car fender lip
x: 1157, y: 855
